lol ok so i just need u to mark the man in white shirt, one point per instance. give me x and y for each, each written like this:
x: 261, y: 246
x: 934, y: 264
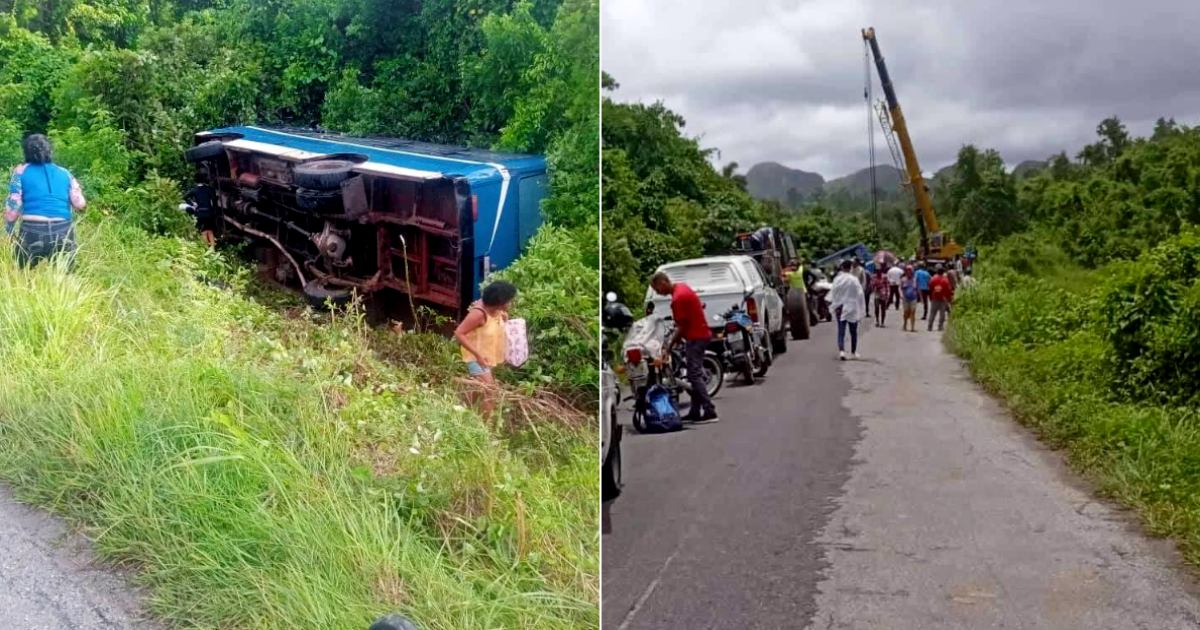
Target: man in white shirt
x: 893, y: 275
x: 846, y: 300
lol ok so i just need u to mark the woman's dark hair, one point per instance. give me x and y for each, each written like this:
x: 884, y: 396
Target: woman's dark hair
x: 37, y: 149
x: 499, y: 293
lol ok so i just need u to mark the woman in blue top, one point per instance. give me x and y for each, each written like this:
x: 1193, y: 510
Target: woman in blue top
x: 41, y: 195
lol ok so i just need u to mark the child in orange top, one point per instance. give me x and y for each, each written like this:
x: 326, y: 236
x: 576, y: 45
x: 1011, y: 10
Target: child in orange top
x: 482, y: 334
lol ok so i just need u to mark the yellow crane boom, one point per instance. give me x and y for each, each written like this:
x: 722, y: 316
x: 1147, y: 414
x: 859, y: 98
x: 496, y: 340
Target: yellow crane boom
x: 935, y: 245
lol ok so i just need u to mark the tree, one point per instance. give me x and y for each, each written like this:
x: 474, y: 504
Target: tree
x: 729, y: 171
x: 1114, y: 139
x: 1164, y: 128
x: 982, y: 197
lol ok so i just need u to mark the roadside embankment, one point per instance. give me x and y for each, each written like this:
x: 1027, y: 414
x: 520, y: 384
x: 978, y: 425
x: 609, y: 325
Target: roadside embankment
x: 1102, y: 363
x: 261, y: 471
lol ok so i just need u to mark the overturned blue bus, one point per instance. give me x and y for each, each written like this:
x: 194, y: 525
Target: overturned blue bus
x: 330, y: 214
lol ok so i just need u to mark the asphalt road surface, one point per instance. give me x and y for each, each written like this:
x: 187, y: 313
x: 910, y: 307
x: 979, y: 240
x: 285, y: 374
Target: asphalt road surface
x: 888, y: 493
x: 48, y: 581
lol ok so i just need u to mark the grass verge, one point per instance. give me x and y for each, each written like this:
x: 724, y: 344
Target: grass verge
x: 1041, y: 345
x: 260, y: 471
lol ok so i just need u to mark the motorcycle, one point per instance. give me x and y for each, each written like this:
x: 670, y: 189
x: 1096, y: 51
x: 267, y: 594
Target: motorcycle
x: 745, y: 348
x: 646, y: 365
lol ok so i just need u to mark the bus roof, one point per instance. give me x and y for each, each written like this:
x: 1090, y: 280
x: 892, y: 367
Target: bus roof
x: 477, y: 165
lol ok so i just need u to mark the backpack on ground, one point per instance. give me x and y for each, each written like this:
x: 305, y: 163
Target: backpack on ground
x: 661, y: 415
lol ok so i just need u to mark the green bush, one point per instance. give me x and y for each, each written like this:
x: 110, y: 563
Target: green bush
x: 558, y: 295
x: 1151, y: 317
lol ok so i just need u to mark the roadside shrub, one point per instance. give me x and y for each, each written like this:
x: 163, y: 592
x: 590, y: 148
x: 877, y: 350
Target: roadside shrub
x: 1032, y: 254
x: 1151, y: 311
x: 153, y: 205
x: 96, y: 155
x: 558, y: 295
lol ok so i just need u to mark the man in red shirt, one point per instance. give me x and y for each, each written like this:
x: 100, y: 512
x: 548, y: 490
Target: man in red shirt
x: 690, y: 326
x: 941, y: 294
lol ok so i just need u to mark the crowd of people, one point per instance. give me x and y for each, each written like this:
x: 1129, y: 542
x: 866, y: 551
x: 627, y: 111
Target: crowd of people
x: 896, y: 286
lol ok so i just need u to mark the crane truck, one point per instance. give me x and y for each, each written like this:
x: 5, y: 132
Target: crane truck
x: 936, y: 246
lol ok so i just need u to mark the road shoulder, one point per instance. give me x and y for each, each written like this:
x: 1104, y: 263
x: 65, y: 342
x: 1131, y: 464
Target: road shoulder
x: 954, y: 517
x: 49, y: 578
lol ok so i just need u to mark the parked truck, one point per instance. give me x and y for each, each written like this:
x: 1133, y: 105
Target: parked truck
x: 329, y: 214
x: 775, y: 252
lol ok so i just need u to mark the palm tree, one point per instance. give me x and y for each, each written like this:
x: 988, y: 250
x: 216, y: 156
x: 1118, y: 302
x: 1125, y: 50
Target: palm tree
x: 729, y: 171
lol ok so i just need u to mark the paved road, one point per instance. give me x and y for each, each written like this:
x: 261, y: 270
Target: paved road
x: 49, y: 582
x: 889, y: 493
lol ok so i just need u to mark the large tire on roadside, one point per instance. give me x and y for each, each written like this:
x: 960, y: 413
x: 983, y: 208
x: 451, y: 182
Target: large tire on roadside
x: 797, y: 303
x: 323, y: 174
x: 210, y: 150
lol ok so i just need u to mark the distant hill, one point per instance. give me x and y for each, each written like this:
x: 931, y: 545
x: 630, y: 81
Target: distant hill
x: 769, y: 180
x: 887, y: 179
x: 1028, y: 167
x: 942, y: 175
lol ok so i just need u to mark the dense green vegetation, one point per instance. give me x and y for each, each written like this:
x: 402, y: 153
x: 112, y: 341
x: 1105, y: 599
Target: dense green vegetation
x: 1086, y: 317
x: 260, y: 469
x: 665, y: 201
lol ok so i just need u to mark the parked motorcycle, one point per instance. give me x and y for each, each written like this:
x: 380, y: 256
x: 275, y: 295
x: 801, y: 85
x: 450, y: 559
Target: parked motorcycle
x: 745, y: 349
x: 646, y: 365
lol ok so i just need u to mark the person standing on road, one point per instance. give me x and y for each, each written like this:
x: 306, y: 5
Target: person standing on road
x: 941, y: 294
x: 41, y: 194
x: 910, y: 294
x: 879, y: 285
x: 893, y: 275
x: 860, y: 272
x: 691, y: 327
x: 922, y: 277
x: 849, y: 306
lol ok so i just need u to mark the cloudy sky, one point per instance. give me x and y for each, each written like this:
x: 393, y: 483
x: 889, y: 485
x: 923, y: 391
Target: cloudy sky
x: 771, y: 80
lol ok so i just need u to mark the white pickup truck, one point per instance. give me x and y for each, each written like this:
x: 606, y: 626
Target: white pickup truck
x: 722, y: 282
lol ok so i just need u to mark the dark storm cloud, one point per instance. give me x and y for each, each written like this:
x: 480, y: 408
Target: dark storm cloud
x: 783, y: 81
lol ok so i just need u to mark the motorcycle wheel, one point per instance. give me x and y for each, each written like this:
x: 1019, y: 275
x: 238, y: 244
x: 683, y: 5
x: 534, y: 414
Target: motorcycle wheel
x: 638, y: 422
x: 716, y: 375
x: 749, y: 363
x: 766, y: 358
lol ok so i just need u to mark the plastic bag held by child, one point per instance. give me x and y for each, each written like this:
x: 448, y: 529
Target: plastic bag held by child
x: 517, y: 351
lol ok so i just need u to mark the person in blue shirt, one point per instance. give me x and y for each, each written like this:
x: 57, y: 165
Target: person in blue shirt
x: 923, y: 286
x: 41, y: 196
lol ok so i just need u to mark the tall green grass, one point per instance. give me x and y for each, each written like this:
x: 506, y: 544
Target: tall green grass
x: 260, y: 471
x: 1040, y: 341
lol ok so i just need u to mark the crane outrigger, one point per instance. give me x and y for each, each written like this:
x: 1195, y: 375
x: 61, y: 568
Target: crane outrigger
x: 936, y: 245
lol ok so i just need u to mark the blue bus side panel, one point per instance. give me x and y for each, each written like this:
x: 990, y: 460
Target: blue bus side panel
x: 532, y: 191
